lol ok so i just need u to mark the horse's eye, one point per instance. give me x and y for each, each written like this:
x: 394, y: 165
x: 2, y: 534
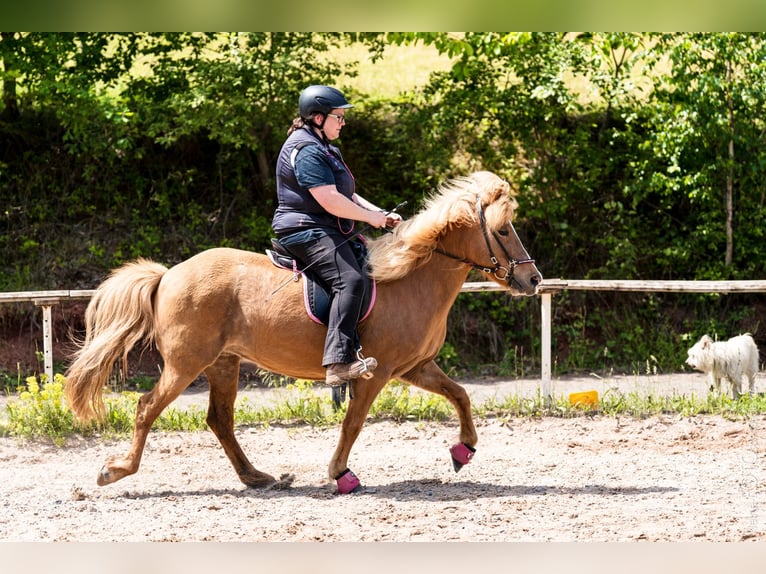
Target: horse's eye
x: 503, y: 231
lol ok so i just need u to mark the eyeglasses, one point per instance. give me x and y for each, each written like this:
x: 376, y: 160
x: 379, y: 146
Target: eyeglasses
x: 341, y: 119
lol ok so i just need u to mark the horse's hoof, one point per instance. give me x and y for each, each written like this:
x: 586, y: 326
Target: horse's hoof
x: 347, y: 482
x: 461, y: 455
x: 103, y: 477
x: 284, y: 482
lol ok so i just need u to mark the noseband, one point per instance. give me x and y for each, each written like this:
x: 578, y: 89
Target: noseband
x: 501, y: 273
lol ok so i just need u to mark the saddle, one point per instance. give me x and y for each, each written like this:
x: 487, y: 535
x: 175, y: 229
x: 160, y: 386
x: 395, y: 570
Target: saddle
x: 316, y: 296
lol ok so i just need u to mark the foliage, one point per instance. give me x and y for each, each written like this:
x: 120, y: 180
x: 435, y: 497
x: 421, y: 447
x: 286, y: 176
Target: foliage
x: 40, y: 410
x: 634, y: 156
x: 706, y: 140
x: 300, y: 404
x: 396, y: 402
x: 10, y: 381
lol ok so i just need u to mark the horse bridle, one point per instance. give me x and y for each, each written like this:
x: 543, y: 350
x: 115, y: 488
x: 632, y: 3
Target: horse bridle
x: 501, y: 273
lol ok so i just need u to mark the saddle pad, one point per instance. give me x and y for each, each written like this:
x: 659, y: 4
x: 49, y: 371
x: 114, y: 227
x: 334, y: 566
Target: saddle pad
x: 316, y: 297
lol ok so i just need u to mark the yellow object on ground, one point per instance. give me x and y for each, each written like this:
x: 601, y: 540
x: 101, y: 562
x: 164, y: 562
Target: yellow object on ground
x: 585, y: 398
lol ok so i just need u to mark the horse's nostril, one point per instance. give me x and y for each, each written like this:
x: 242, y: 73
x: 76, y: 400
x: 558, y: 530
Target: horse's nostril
x: 536, y: 280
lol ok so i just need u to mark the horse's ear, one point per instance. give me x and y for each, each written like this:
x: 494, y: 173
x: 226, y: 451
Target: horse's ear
x: 503, y: 190
x: 493, y: 187
x: 497, y: 191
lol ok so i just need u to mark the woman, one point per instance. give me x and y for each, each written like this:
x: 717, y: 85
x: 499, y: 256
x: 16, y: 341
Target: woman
x: 315, y: 219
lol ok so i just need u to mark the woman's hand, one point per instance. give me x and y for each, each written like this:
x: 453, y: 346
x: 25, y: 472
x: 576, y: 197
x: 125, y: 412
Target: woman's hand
x: 393, y: 219
x: 358, y: 208
x: 377, y: 219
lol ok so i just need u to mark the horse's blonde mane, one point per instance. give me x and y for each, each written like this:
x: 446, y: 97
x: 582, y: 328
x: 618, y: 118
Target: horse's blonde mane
x: 453, y: 204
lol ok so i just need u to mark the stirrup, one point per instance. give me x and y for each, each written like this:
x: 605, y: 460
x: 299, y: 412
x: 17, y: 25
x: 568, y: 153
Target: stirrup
x: 350, y: 371
x: 366, y: 371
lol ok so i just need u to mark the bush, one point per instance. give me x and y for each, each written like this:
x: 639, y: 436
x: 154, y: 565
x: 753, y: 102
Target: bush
x: 41, y: 411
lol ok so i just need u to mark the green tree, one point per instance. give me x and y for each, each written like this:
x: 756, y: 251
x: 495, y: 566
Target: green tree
x: 238, y: 89
x: 64, y: 71
x: 707, y: 144
x: 238, y: 93
x: 550, y: 111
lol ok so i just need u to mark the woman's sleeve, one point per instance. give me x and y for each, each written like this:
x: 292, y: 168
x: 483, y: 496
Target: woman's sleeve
x: 312, y: 168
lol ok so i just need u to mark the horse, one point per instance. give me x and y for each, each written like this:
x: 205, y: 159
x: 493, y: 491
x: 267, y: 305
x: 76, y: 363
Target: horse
x: 221, y: 306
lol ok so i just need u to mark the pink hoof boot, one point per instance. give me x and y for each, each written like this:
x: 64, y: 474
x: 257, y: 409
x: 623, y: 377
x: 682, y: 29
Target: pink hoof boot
x: 461, y: 455
x: 347, y: 482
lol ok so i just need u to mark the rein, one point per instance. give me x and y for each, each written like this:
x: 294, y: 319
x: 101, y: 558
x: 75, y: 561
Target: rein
x: 501, y: 273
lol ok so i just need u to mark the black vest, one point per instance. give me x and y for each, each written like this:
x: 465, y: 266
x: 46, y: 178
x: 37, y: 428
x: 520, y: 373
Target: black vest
x: 297, y: 209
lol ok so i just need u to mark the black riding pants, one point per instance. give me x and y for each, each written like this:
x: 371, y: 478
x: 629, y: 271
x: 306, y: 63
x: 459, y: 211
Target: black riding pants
x: 334, y: 261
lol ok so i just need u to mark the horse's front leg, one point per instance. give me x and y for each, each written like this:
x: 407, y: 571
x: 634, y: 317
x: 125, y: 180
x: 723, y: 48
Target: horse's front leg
x: 364, y: 393
x: 431, y: 378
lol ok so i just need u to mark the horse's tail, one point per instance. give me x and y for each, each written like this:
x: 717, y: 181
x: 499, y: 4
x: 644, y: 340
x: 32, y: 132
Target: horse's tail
x: 119, y: 315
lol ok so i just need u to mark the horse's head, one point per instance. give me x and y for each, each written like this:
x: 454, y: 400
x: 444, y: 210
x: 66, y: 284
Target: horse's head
x: 468, y: 219
x: 490, y: 243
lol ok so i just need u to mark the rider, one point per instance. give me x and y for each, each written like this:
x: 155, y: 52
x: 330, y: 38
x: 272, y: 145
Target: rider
x: 317, y: 209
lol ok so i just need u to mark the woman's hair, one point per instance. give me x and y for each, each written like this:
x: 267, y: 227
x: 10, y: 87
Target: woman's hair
x: 297, y: 124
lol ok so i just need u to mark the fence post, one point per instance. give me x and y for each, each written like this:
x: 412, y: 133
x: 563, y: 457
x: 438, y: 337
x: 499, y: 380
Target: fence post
x: 46, y: 304
x: 545, y: 312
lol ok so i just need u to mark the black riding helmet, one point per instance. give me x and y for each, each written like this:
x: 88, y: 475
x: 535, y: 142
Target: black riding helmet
x: 320, y: 99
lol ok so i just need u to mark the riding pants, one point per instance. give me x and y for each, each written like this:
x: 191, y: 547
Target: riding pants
x: 340, y: 265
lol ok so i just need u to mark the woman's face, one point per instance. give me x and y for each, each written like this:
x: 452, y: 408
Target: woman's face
x: 334, y: 122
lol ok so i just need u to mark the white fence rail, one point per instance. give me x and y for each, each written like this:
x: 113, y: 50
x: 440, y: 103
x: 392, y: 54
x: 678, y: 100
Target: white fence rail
x: 46, y: 300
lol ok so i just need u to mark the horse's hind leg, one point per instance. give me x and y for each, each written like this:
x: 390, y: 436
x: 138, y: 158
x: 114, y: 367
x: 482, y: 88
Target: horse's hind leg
x: 431, y: 378
x: 223, y: 376
x: 150, y: 405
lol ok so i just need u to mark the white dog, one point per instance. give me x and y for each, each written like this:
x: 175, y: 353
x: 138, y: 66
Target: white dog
x: 735, y: 360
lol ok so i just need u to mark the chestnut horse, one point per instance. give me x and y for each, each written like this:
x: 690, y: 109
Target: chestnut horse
x: 223, y: 305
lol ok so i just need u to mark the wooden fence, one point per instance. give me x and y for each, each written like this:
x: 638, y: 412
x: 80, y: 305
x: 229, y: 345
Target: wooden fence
x: 46, y: 300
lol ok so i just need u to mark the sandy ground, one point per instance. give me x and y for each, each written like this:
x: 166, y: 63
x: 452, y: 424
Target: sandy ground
x: 589, y: 478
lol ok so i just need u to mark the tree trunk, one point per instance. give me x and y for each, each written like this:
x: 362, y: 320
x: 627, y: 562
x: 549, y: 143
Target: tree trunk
x: 730, y: 175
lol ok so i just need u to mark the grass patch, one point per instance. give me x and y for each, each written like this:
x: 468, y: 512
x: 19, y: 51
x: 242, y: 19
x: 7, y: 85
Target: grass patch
x: 616, y: 403
x: 9, y: 381
x: 301, y: 404
x: 38, y: 409
x: 397, y: 401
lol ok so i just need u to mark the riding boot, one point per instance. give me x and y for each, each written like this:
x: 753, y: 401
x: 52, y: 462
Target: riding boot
x: 340, y: 373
